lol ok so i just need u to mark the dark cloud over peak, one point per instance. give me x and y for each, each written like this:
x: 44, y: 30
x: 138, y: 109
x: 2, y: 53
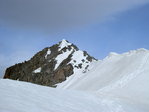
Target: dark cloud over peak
x: 56, y: 15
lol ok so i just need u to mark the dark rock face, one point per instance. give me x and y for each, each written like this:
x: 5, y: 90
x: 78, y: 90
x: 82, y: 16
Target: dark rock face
x: 46, y: 67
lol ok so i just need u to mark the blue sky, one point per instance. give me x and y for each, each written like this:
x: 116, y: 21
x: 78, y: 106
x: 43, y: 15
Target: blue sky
x: 127, y: 31
x: 117, y: 32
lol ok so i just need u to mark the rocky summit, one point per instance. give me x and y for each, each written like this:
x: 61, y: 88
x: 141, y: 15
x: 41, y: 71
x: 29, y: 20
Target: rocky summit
x: 52, y: 65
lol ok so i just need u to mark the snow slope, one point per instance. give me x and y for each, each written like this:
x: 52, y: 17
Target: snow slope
x: 122, y: 76
x: 118, y: 83
x: 16, y: 96
x: 115, y: 71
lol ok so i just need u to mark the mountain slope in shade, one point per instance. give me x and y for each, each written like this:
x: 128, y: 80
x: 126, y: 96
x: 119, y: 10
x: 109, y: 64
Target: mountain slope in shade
x: 17, y: 96
x: 52, y: 65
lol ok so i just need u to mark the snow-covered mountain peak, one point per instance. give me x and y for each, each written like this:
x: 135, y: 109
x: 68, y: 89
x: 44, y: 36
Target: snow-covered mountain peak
x: 118, y: 83
x: 64, y: 43
x: 80, y: 60
x: 52, y: 65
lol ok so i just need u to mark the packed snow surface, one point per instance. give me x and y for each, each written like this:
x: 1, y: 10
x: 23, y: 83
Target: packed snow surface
x: 16, y: 96
x: 118, y: 83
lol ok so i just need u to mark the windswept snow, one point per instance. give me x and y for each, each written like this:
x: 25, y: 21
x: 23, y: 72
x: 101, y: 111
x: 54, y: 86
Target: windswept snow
x: 16, y: 96
x: 118, y: 83
x: 113, y: 70
x: 122, y: 76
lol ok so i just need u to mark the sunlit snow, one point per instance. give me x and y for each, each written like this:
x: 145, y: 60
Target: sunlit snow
x: 118, y: 83
x: 62, y: 57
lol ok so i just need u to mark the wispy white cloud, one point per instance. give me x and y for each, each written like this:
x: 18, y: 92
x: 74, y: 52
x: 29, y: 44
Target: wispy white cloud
x: 54, y: 15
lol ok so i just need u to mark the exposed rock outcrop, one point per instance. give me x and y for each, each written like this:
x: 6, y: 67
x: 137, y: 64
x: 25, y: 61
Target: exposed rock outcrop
x: 52, y: 65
